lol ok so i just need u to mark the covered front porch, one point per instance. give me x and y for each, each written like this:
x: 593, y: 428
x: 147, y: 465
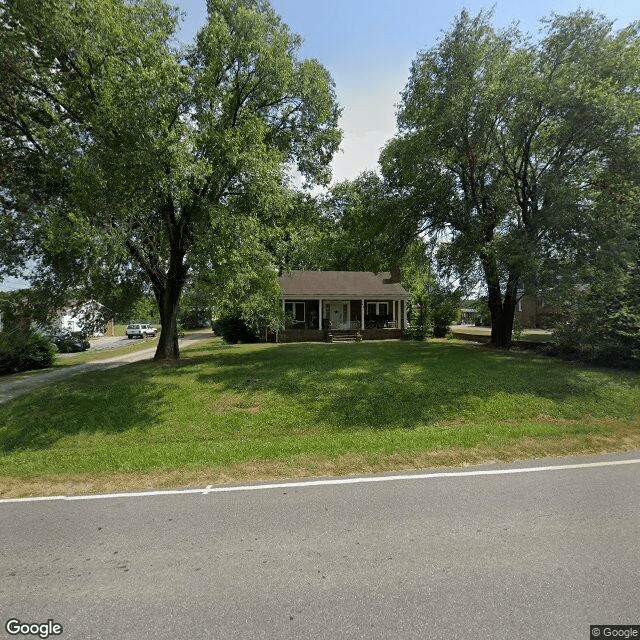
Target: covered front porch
x: 316, y: 317
x: 319, y: 304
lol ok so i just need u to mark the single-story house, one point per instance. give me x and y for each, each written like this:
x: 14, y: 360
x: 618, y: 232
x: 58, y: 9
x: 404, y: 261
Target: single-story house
x: 318, y: 303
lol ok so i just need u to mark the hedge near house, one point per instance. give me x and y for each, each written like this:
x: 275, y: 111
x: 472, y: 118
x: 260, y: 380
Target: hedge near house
x: 233, y: 329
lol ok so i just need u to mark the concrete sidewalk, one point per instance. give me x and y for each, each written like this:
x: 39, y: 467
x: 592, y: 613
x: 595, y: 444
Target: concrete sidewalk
x: 15, y: 388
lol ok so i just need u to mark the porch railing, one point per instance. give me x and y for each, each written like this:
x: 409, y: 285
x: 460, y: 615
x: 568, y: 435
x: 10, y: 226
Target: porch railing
x: 353, y: 325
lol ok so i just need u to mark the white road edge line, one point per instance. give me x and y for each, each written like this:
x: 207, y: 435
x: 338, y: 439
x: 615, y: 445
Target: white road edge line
x: 319, y: 483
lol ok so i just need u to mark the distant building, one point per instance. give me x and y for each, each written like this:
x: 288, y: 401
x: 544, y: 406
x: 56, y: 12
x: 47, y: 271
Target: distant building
x: 533, y: 312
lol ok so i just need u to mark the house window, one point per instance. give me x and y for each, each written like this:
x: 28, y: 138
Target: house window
x: 377, y: 308
x: 296, y: 310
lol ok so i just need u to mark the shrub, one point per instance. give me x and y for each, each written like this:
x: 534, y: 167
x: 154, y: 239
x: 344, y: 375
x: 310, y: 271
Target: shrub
x: 440, y: 331
x: 24, y: 350
x: 413, y: 333
x: 445, y: 305
x: 601, y: 325
x: 517, y: 330
x: 234, y: 329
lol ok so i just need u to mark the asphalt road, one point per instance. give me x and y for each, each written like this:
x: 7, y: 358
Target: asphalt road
x: 529, y: 555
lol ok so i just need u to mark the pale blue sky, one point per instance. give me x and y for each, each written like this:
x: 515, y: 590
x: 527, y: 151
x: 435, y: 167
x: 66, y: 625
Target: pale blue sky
x: 368, y: 46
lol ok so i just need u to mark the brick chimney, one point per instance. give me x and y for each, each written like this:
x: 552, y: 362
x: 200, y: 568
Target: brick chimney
x: 395, y: 274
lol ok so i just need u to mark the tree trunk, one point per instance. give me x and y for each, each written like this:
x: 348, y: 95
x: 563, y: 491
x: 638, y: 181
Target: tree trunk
x: 168, y: 348
x: 168, y: 299
x: 502, y: 329
x: 502, y: 310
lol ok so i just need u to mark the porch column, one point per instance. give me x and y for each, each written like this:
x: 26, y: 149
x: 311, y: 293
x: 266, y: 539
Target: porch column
x: 362, y: 314
x: 320, y: 314
x: 393, y: 303
x: 404, y: 304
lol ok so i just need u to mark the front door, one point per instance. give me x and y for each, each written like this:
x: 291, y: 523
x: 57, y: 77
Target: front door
x: 339, y: 315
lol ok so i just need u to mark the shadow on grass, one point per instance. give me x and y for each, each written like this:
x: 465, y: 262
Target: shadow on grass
x: 109, y: 401
x: 401, y: 385
x: 346, y: 388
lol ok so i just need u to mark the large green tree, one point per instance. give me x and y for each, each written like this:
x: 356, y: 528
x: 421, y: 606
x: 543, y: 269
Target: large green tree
x: 126, y: 161
x: 351, y: 227
x: 514, y: 150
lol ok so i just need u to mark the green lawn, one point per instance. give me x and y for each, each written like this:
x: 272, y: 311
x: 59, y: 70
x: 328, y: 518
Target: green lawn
x: 530, y: 335
x: 315, y: 407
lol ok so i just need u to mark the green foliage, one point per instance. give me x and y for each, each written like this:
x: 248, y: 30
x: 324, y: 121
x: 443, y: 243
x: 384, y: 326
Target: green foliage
x: 524, y: 155
x: 144, y: 309
x: 356, y: 227
x: 434, y: 308
x: 133, y: 166
x: 414, y: 333
x: 196, y: 307
x: 288, y: 320
x: 23, y: 350
x: 432, y: 305
x: 366, y: 236
x: 444, y: 306
x: 601, y: 324
x: 517, y: 330
x: 234, y: 329
x: 247, y: 286
x: 483, y: 314
x: 15, y: 309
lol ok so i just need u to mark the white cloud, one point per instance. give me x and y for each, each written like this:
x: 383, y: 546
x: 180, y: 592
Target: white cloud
x: 368, y: 122
x: 358, y: 153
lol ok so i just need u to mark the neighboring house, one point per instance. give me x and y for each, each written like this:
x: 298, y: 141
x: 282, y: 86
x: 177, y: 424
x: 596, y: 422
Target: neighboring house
x: 18, y: 314
x: 321, y: 302
x: 70, y: 322
x: 86, y: 317
x: 467, y: 315
x: 533, y: 312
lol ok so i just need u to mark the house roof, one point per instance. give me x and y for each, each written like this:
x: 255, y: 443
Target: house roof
x: 356, y: 284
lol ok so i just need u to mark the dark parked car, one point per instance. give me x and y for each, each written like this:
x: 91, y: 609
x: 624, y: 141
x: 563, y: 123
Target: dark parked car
x: 68, y: 342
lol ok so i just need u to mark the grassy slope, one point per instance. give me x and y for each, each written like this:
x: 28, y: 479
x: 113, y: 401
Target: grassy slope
x: 530, y: 335
x: 315, y: 407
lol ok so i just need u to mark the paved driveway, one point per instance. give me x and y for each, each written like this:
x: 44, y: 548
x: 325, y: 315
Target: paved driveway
x: 14, y: 388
